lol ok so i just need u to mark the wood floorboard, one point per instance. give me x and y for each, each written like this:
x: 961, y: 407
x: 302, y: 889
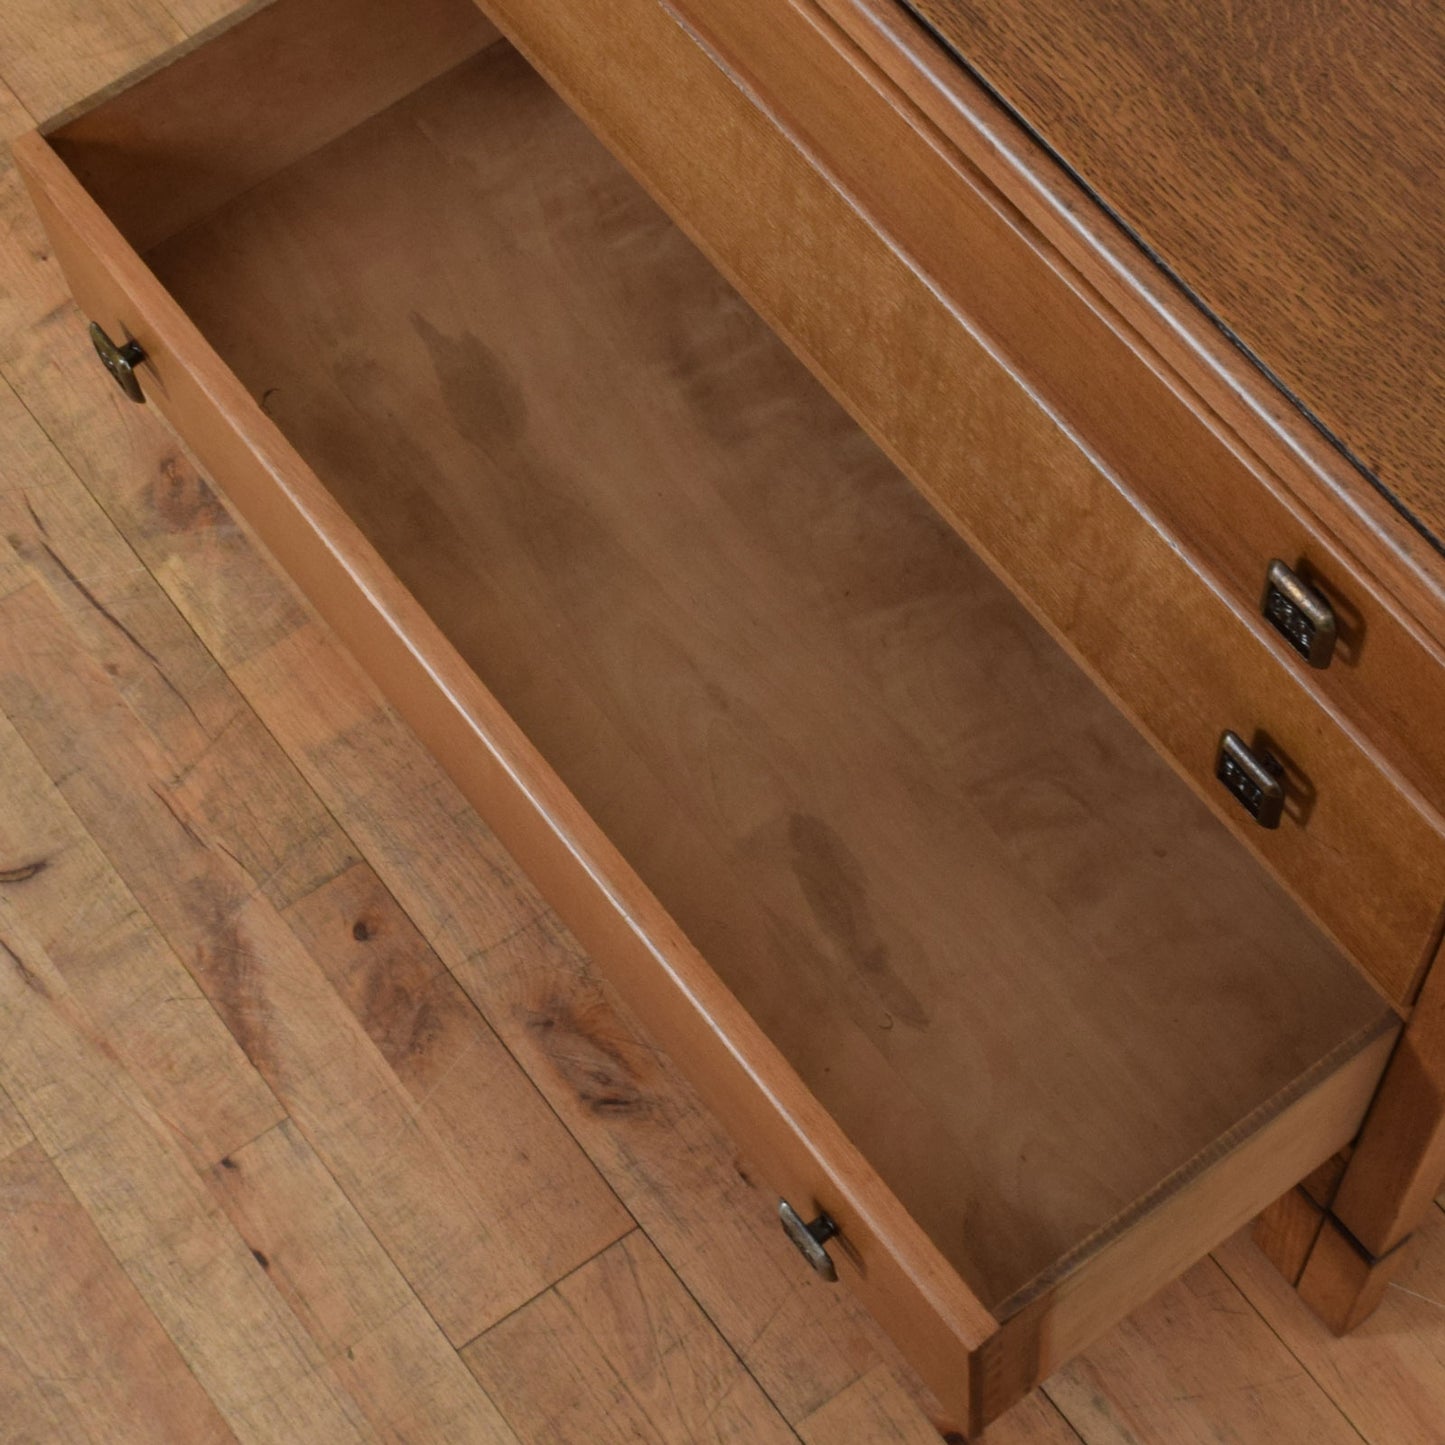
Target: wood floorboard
x: 1197, y: 1363
x: 879, y: 1408
x: 628, y: 1356
x: 104, y: 1367
x: 182, y: 821
x: 117, y: 1156
x: 134, y: 989
x: 380, y: 1344
x: 54, y: 53
x: 1388, y: 1376
x: 196, y: 16
x: 14, y: 1132
x: 322, y: 987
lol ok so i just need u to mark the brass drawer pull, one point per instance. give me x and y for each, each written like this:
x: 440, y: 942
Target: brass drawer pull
x: 1300, y: 614
x: 810, y: 1238
x: 120, y: 361
x: 1252, y: 780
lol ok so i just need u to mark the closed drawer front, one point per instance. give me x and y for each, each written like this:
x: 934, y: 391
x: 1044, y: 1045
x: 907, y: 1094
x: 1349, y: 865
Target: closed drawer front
x: 1073, y: 308
x: 989, y: 399
x: 968, y: 972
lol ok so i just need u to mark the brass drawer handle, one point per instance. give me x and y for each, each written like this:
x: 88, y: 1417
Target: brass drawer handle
x: 810, y: 1238
x: 120, y: 361
x: 1252, y: 780
x: 1300, y: 614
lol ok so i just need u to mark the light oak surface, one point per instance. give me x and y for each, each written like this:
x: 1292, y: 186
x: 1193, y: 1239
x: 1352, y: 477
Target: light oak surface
x: 286, y: 1284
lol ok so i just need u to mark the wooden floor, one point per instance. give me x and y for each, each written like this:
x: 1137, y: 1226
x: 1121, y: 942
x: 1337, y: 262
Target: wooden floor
x: 314, y: 1125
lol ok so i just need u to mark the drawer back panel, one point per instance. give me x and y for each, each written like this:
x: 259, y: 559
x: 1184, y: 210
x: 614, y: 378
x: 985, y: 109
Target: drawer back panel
x: 248, y: 97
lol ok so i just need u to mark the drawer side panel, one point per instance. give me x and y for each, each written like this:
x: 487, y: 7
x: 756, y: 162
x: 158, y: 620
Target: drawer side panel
x: 882, y: 1254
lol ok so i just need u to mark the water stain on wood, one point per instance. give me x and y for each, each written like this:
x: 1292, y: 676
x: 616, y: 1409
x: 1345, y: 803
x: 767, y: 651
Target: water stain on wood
x: 398, y: 1014
x: 486, y: 405
x: 836, y: 891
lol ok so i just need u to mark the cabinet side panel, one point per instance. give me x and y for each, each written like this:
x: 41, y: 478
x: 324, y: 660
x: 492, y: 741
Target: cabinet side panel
x: 1398, y: 1166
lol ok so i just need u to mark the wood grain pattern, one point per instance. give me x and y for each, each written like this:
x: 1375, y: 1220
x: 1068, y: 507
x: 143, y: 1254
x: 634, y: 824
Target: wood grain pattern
x: 14, y: 1131
x: 29, y: 1414
x: 624, y: 711
x: 134, y: 989
x: 380, y: 1345
x: 14, y: 118
x: 877, y: 1408
x: 52, y: 52
x: 626, y: 1355
x: 1398, y: 1165
x: 311, y: 694
x: 802, y: 1335
x: 117, y: 1158
x: 907, y: 1282
x: 93, y: 1358
x: 1281, y: 160
x: 1341, y: 1283
x: 1151, y: 604
x: 1160, y: 399
x: 1333, y: 1140
x: 423, y: 842
x: 437, y: 1202
x: 1061, y: 1322
x: 1286, y: 1232
x: 614, y: 1089
x: 249, y: 101
x: 1245, y: 1388
x: 224, y: 778
x: 1388, y: 1377
x: 197, y: 16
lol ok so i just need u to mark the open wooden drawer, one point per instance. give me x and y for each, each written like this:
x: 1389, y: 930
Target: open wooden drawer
x: 964, y: 965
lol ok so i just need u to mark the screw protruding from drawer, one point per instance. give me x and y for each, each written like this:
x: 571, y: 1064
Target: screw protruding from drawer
x: 121, y: 361
x: 810, y: 1237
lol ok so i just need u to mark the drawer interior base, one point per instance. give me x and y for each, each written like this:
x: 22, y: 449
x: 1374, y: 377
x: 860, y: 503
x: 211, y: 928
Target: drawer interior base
x: 1013, y: 954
